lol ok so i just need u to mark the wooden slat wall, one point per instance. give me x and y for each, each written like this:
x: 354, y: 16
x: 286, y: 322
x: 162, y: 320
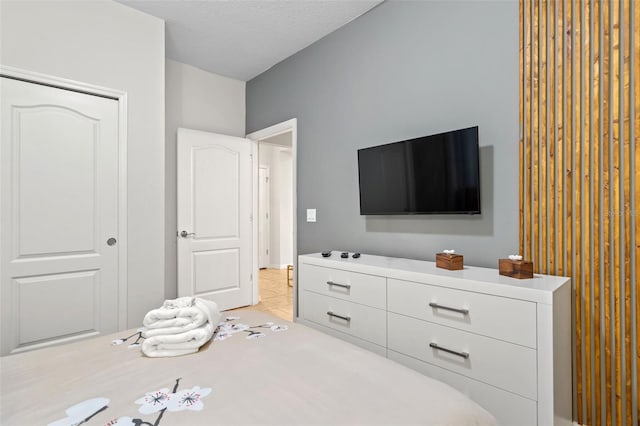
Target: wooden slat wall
x: 579, y: 184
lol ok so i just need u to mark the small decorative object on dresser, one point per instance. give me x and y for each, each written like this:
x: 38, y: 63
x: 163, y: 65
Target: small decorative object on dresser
x: 515, y: 267
x: 449, y: 260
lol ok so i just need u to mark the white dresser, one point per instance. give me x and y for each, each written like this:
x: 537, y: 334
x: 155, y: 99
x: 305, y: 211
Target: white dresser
x: 506, y: 343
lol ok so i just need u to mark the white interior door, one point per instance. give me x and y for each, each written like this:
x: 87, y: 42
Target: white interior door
x: 58, y: 209
x: 214, y: 218
x: 263, y: 217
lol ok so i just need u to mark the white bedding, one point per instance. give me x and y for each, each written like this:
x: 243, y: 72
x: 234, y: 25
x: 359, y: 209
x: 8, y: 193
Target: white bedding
x: 273, y: 373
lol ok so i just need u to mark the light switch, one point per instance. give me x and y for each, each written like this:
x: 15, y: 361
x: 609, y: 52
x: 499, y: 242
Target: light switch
x: 311, y: 215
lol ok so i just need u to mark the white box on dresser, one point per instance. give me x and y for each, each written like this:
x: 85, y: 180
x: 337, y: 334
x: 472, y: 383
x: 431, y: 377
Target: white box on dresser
x: 504, y: 342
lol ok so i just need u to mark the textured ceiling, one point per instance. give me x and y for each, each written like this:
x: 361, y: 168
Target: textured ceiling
x: 243, y: 38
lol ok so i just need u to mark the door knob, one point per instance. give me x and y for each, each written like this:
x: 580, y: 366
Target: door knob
x: 111, y: 241
x: 185, y: 234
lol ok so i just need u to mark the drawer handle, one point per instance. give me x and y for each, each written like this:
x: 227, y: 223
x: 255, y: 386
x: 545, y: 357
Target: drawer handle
x: 342, y: 317
x: 464, y: 355
x: 447, y: 308
x: 331, y: 283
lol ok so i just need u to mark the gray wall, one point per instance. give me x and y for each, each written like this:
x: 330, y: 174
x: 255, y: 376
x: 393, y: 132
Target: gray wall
x: 81, y: 41
x: 403, y: 70
x: 198, y: 100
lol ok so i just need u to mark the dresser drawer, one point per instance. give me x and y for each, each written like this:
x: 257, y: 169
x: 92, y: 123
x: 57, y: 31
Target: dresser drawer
x: 498, y: 317
x: 505, y: 365
x: 358, y: 320
x: 370, y: 290
x: 508, y: 408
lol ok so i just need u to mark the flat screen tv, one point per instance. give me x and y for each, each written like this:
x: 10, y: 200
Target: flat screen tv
x: 437, y: 174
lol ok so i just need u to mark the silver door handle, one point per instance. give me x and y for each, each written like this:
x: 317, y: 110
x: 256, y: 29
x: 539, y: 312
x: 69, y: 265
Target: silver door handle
x: 448, y: 308
x: 437, y: 347
x: 331, y: 283
x: 185, y: 234
x: 111, y: 241
x: 347, y: 318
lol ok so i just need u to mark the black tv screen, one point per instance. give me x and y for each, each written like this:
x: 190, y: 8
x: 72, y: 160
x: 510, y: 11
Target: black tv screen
x: 437, y: 174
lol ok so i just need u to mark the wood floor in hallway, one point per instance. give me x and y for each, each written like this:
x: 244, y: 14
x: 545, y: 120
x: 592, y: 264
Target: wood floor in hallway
x: 276, y: 296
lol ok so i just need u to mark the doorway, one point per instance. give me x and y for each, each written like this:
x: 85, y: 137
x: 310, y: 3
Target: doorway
x: 275, y: 210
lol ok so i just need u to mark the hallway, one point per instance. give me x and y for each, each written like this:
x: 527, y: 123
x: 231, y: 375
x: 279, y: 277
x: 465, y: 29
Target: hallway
x: 276, y: 296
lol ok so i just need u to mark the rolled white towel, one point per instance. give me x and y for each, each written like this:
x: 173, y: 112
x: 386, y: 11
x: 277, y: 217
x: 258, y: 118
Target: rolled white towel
x: 180, y: 315
x: 169, y: 345
x: 180, y: 302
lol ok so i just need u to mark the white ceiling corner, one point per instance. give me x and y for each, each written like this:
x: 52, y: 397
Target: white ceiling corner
x: 243, y: 38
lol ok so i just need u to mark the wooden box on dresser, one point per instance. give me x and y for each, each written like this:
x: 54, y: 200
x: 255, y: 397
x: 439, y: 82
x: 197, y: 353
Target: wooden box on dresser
x: 503, y: 342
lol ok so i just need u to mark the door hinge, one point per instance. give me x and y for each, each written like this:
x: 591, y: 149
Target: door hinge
x: 267, y: 251
x: 267, y: 215
x: 250, y: 217
x: 251, y: 277
x: 266, y: 179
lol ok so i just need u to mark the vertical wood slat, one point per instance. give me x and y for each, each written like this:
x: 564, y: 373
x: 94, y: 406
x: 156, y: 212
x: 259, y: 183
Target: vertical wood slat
x: 581, y: 155
x: 595, y: 282
x: 635, y: 201
x: 574, y: 141
x: 535, y: 139
x: 586, y: 231
x: 552, y: 133
x: 562, y: 210
x: 610, y: 325
x: 606, y: 50
x: 522, y: 51
x: 615, y: 170
x: 528, y: 107
x: 543, y: 133
x: 594, y: 252
x: 626, y: 207
x: 579, y: 151
x: 601, y: 404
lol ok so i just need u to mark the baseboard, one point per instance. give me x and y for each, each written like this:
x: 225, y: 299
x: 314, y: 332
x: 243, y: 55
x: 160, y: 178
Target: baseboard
x: 284, y: 266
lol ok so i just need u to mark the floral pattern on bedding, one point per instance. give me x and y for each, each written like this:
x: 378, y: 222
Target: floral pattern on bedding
x: 161, y: 401
x: 82, y: 412
x: 225, y: 329
x: 135, y: 344
x: 157, y: 401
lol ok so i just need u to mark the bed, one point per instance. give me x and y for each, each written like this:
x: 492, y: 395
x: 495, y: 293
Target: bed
x: 259, y: 370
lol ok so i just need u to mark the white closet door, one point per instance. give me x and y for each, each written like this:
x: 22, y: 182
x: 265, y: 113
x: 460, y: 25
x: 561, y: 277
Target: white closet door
x: 214, y: 218
x: 58, y: 215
